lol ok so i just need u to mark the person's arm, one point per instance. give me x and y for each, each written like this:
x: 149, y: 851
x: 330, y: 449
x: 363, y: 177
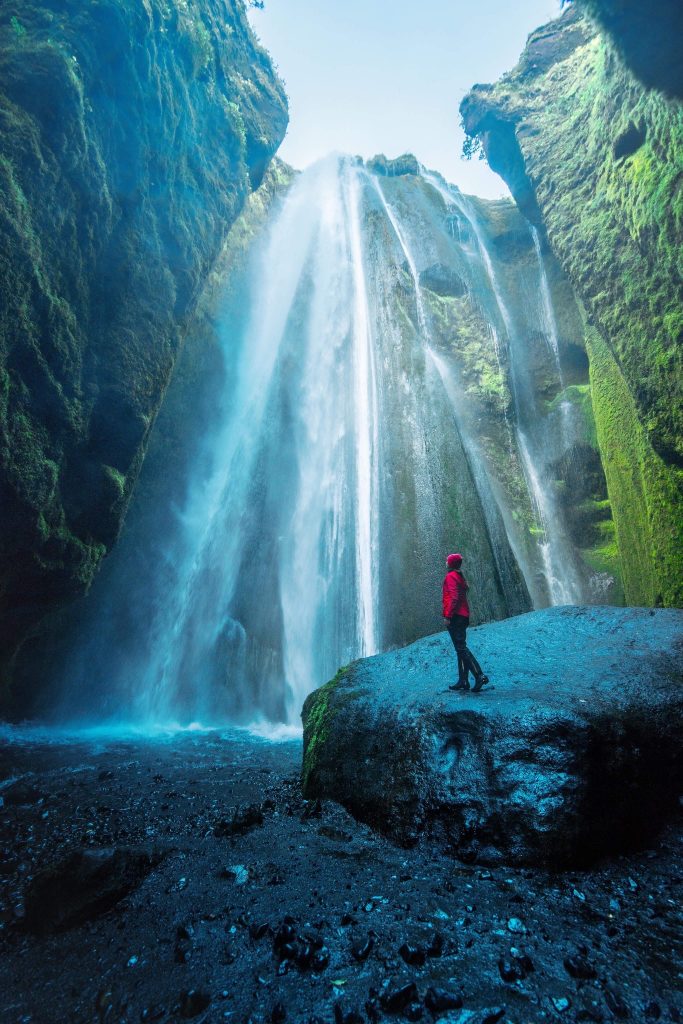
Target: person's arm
x: 450, y: 596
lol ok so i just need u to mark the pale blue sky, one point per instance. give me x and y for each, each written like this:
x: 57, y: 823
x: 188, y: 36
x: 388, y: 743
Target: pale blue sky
x: 370, y: 76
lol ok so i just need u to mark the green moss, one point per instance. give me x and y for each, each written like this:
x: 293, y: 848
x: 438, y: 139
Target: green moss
x: 581, y: 141
x: 318, y: 718
x: 644, y: 493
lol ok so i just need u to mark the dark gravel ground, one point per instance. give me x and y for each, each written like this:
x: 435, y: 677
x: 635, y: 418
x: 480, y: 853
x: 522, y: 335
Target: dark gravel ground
x: 186, y: 879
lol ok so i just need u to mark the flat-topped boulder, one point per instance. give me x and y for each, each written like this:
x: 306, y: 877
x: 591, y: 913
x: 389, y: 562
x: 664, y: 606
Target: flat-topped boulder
x: 574, y: 751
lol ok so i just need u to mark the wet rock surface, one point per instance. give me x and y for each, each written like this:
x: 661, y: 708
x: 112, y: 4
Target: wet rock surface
x: 308, y: 916
x: 573, y: 752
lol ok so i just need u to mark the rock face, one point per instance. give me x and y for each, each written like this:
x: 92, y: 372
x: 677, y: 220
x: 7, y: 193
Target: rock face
x: 113, y: 209
x: 647, y: 36
x: 611, y: 209
x: 574, y: 753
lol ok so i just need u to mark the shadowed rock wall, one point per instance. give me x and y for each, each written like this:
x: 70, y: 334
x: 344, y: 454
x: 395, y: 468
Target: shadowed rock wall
x: 595, y: 159
x: 648, y: 37
x: 131, y: 135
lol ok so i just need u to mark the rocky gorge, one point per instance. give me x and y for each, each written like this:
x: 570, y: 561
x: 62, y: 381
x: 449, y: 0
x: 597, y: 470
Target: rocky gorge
x: 216, y: 369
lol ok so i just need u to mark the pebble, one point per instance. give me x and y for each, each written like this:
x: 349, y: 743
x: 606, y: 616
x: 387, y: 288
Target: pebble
x: 155, y: 1012
x: 413, y: 955
x: 561, y: 1003
x: 237, y: 873
x: 511, y: 971
x: 516, y: 926
x: 579, y: 967
x: 396, y: 999
x: 361, y: 951
x: 439, y: 999
x: 193, y: 1002
x: 353, y: 1017
x: 616, y: 1004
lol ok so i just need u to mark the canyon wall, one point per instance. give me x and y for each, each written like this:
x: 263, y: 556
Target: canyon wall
x: 131, y: 134
x: 594, y: 159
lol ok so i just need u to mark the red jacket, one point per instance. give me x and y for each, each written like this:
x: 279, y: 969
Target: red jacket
x: 455, y: 595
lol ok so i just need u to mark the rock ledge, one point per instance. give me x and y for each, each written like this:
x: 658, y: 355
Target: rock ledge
x: 575, y: 753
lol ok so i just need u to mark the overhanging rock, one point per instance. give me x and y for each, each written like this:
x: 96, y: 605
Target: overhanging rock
x: 575, y: 753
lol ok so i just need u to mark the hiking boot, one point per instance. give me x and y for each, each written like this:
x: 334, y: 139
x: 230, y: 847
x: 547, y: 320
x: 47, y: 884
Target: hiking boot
x: 460, y: 685
x: 481, y: 681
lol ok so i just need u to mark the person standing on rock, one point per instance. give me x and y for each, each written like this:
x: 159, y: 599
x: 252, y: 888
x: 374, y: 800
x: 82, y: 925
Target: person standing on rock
x: 456, y: 613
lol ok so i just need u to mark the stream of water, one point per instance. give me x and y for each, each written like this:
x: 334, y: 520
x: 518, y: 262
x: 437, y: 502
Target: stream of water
x: 343, y: 466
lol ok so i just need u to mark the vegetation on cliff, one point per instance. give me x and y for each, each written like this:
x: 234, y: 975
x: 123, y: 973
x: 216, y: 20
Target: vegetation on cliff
x: 131, y: 135
x: 596, y: 159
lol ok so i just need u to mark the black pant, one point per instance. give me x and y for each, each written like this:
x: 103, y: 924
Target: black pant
x: 457, y: 629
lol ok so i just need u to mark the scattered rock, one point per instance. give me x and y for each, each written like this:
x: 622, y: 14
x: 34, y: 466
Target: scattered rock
x: 561, y: 1003
x: 579, y: 967
x: 439, y: 999
x: 243, y: 820
x: 394, y: 1000
x: 413, y: 955
x: 616, y: 1004
x: 193, y: 1002
x: 516, y: 926
x: 361, y: 950
x: 84, y: 885
x: 21, y: 794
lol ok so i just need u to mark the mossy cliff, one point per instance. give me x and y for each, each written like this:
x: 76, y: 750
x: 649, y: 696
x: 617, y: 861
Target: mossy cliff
x: 131, y: 134
x: 647, y: 36
x: 594, y: 159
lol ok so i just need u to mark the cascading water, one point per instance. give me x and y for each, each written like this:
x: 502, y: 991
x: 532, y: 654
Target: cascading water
x: 498, y: 523
x: 345, y: 455
x: 562, y: 581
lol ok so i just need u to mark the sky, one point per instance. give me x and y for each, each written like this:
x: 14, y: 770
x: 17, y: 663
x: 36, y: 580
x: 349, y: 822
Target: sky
x: 387, y: 76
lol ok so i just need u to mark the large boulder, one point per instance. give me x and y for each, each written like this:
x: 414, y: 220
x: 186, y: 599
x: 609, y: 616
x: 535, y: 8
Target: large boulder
x: 574, y: 750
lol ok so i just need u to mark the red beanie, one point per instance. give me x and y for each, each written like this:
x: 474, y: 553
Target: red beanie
x: 454, y: 561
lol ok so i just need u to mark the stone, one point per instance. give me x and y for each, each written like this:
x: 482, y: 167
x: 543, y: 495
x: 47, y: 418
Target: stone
x: 439, y: 999
x: 83, y: 885
x: 394, y: 1000
x: 193, y: 1002
x: 579, y: 967
x: 243, y: 820
x: 574, y: 755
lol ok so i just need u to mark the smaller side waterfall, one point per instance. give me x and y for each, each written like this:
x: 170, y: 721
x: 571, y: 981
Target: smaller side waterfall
x: 558, y: 559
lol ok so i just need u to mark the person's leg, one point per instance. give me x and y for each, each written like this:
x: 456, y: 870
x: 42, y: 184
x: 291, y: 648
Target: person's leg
x: 469, y: 661
x: 457, y: 630
x: 474, y: 665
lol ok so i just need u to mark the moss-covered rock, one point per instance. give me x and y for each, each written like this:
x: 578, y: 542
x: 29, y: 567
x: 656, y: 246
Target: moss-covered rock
x: 596, y: 159
x: 131, y: 135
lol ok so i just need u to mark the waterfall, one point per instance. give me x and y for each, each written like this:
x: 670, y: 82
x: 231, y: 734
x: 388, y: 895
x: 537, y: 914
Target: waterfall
x: 549, y: 321
x: 346, y: 453
x: 558, y: 558
x: 495, y: 513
